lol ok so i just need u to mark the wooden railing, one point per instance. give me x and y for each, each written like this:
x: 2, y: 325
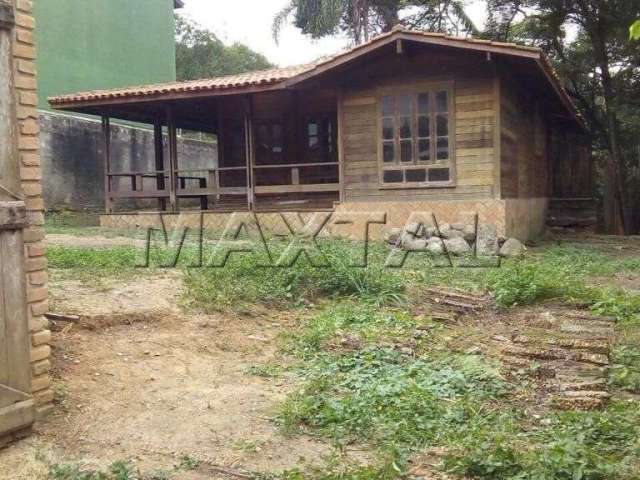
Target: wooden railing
x: 295, y: 186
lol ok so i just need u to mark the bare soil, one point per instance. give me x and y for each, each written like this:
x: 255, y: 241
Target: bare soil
x: 156, y: 383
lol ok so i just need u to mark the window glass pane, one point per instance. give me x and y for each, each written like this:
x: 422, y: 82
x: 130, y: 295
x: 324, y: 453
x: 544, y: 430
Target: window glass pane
x: 277, y: 133
x: 442, y: 125
x: 423, y: 127
x: 312, y: 128
x: 387, y: 128
x: 424, y: 153
x: 439, y: 175
x: 416, y: 175
x: 423, y: 103
x: 442, y: 149
x: 442, y: 103
x: 404, y: 105
x: 405, y: 127
x: 313, y: 142
x: 388, y: 152
x: 387, y: 106
x: 392, y: 176
x: 406, y: 154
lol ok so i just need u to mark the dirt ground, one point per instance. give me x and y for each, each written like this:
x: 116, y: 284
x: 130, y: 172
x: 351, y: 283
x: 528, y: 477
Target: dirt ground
x: 151, y: 383
x: 141, y: 379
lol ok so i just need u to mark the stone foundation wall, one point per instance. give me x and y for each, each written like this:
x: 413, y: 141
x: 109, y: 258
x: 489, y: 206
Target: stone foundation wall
x: 31, y: 177
x: 523, y: 219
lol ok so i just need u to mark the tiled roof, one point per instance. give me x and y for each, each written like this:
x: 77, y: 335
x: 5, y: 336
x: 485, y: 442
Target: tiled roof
x: 275, y: 76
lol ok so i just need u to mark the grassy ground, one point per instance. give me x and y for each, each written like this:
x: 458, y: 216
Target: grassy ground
x: 373, y: 375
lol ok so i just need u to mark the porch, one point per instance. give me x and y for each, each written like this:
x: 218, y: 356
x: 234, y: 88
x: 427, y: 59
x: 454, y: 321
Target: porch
x: 270, y: 151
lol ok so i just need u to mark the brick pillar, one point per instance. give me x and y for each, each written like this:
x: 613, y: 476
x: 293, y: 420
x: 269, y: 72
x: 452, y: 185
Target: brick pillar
x: 31, y: 177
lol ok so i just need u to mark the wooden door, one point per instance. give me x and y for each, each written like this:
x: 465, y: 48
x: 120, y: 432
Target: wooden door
x: 16, y: 403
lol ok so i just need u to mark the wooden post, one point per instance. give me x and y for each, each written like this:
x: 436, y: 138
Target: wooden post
x: 106, y: 135
x: 341, y: 146
x: 250, y: 151
x: 173, y: 161
x: 158, y: 145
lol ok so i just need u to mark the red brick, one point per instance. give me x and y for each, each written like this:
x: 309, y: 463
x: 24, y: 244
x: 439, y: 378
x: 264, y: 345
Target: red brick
x: 40, y: 353
x: 41, y: 367
x: 35, y: 264
x: 38, y: 278
x: 34, y: 203
x: 43, y: 398
x: 42, y: 337
x: 33, y: 234
x: 30, y: 173
x: 39, y: 308
x: 38, y: 323
x: 26, y: 66
x: 25, y: 20
x: 28, y: 98
x: 36, y: 294
x: 30, y: 159
x: 24, y: 51
x: 32, y: 189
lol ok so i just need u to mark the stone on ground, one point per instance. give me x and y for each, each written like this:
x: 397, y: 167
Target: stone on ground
x: 512, y: 248
x: 487, y: 240
x: 392, y: 235
x: 457, y: 246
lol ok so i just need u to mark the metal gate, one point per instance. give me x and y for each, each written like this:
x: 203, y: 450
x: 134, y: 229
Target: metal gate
x: 16, y: 403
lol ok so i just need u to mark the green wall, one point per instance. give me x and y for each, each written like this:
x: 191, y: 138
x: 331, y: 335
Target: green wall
x: 95, y: 44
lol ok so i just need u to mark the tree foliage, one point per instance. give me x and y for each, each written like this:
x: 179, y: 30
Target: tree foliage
x: 634, y: 30
x: 201, y: 54
x: 361, y: 19
x: 588, y: 42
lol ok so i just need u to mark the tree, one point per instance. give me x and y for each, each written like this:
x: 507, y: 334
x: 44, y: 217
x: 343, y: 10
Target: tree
x: 601, y: 70
x: 361, y: 19
x: 200, y: 54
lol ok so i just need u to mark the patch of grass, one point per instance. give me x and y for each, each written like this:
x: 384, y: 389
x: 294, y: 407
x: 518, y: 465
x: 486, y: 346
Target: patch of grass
x: 532, y: 280
x: 119, y: 470
x: 575, y: 445
x: 93, y: 263
x: 625, y: 369
x: 245, y: 280
x: 389, y: 399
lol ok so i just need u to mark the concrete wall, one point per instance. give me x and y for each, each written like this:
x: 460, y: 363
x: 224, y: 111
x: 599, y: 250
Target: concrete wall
x: 95, y: 44
x: 72, y: 162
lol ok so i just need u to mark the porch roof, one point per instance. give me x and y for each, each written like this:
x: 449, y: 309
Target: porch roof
x: 288, y: 77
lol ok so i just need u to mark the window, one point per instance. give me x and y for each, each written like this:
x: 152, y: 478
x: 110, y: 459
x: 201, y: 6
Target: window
x: 269, y: 143
x: 415, y: 143
x: 320, y: 143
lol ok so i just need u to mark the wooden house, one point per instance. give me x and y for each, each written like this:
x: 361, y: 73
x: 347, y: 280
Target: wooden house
x: 409, y: 121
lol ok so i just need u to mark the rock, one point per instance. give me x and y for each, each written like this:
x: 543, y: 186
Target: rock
x: 512, y: 248
x: 414, y: 244
x: 392, y: 235
x: 451, y: 233
x: 434, y: 246
x: 487, y: 240
x: 457, y: 246
x: 415, y: 229
x: 458, y: 226
x: 430, y: 232
x: 469, y: 233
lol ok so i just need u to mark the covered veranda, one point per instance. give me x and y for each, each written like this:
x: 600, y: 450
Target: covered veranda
x: 277, y: 148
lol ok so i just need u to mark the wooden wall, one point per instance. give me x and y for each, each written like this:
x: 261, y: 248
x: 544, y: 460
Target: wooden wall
x: 474, y: 126
x: 524, y: 140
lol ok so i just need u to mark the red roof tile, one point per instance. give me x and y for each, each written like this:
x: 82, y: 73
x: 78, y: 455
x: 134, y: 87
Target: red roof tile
x: 275, y: 76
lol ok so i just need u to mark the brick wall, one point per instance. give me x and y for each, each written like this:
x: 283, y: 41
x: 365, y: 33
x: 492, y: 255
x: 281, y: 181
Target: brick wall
x: 35, y: 262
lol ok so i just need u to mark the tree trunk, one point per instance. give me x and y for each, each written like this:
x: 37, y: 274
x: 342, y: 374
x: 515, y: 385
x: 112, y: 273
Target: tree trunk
x: 594, y: 22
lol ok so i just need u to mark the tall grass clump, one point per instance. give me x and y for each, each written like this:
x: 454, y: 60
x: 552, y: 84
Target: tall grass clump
x: 248, y: 279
